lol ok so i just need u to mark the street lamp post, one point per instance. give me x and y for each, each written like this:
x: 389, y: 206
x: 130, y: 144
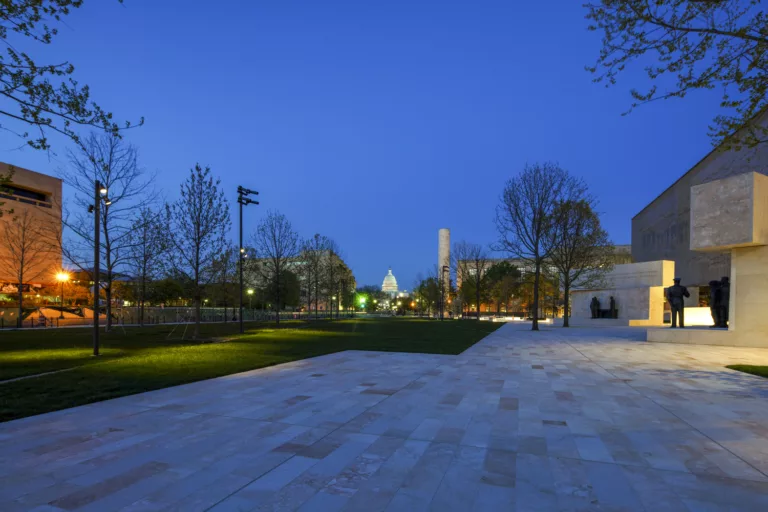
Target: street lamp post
x: 242, y: 200
x: 62, y: 277
x: 100, y: 192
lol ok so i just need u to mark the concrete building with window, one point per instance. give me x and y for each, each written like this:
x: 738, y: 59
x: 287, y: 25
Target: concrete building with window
x: 38, y: 196
x: 662, y: 230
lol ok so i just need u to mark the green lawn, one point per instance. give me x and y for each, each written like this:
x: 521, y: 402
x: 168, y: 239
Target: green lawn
x: 761, y: 371
x: 136, y: 360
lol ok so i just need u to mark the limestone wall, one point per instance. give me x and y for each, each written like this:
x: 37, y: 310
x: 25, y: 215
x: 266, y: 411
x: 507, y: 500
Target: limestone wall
x: 661, y: 231
x: 633, y: 275
x: 642, y: 306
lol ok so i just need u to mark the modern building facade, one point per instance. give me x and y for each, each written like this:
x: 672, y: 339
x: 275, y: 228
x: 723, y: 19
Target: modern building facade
x: 38, y: 197
x: 661, y: 231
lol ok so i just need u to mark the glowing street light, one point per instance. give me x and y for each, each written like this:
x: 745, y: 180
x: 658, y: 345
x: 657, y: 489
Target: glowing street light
x: 62, y: 277
x: 250, y: 299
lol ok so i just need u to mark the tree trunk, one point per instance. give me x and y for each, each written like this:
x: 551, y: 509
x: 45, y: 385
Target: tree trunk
x: 108, y: 296
x: 196, y: 332
x: 566, y: 308
x: 143, y: 299
x: 21, y: 306
x: 477, y: 295
x: 536, y: 277
x: 277, y: 303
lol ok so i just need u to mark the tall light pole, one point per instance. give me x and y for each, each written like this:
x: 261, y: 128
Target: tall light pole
x: 100, y: 192
x: 62, y: 277
x: 242, y: 200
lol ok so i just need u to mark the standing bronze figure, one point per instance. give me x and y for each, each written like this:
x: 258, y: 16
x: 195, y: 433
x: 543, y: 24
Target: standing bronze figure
x: 715, y: 299
x: 594, y: 307
x: 613, y: 308
x: 676, y: 296
x: 725, y: 299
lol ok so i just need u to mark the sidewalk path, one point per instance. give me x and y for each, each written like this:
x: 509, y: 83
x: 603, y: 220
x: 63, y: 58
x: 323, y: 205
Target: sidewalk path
x: 579, y: 419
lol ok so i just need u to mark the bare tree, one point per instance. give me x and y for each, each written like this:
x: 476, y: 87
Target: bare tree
x: 332, y: 270
x: 277, y: 246
x: 578, y: 246
x: 147, y: 247
x: 524, y: 216
x: 310, y: 257
x: 227, y: 271
x: 470, y: 263
x: 28, y: 247
x: 199, y: 223
x: 434, y: 288
x: 114, y: 163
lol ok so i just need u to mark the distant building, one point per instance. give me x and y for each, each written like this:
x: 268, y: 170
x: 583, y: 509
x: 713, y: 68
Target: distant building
x: 39, y: 196
x: 390, y: 284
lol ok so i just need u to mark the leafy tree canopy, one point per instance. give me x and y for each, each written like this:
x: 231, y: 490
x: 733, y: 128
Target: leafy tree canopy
x: 690, y: 45
x: 35, y: 97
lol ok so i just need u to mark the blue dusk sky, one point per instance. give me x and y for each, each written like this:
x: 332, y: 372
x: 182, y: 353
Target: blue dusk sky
x: 375, y: 123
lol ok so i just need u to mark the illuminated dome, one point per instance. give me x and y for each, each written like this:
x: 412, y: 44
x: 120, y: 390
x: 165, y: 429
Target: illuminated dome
x: 390, y: 283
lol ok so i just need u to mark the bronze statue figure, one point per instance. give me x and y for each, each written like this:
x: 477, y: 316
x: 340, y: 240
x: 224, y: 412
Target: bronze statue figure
x: 676, y: 297
x: 715, y: 299
x: 594, y: 307
x: 613, y: 308
x: 725, y: 299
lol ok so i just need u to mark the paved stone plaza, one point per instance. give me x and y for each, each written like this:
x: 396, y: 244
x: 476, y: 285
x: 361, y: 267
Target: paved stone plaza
x: 560, y: 420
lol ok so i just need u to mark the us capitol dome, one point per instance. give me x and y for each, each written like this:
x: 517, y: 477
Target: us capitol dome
x: 390, y: 284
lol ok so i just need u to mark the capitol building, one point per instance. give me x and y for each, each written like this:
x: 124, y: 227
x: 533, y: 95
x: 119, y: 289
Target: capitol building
x: 389, y: 285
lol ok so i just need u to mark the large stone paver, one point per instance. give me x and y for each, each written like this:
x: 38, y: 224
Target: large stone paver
x: 556, y: 420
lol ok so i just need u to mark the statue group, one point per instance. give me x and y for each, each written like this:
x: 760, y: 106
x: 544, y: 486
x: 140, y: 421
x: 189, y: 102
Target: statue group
x: 719, y: 301
x: 594, y: 308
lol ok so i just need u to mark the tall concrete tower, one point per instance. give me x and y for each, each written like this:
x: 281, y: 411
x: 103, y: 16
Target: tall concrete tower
x: 443, y: 248
x: 444, y: 260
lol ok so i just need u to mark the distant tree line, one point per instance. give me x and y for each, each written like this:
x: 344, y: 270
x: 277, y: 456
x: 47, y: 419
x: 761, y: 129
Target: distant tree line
x: 156, y: 252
